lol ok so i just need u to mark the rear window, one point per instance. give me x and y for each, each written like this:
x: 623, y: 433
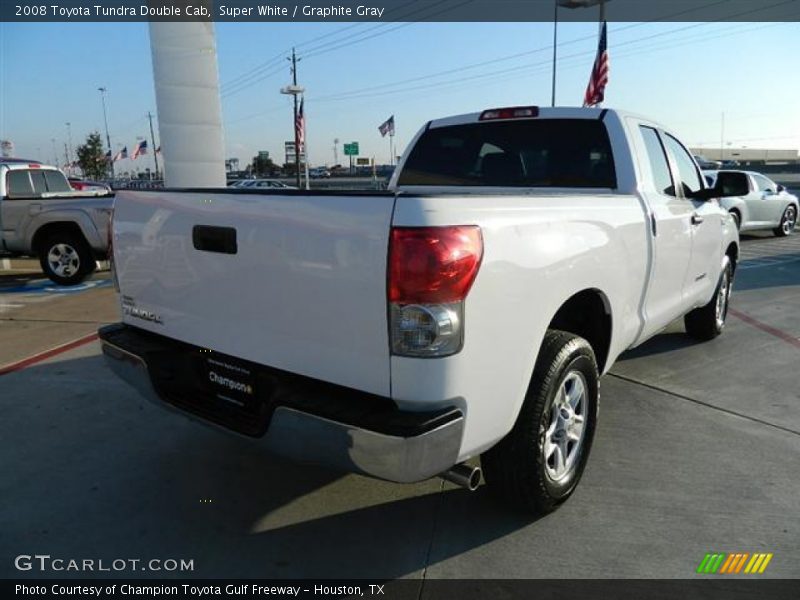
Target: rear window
x: 18, y: 184
x: 518, y: 153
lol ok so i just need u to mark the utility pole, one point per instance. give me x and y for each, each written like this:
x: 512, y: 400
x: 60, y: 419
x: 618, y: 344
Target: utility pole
x: 335, y: 151
x: 66, y: 156
x: 103, y: 91
x: 294, y: 123
x: 153, y: 140
x: 69, y: 138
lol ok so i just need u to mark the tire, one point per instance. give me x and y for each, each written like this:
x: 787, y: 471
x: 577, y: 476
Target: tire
x: 737, y: 219
x: 66, y: 258
x: 788, y: 221
x: 522, y: 470
x: 707, y: 322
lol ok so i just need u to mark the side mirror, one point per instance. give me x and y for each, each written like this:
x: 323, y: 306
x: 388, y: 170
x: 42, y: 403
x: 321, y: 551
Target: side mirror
x: 708, y: 194
x: 781, y: 188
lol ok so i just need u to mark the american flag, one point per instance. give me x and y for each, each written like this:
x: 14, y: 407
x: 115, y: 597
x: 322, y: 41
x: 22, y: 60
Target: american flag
x: 121, y: 154
x: 595, y: 91
x: 300, y: 126
x: 141, y: 148
x: 387, y: 127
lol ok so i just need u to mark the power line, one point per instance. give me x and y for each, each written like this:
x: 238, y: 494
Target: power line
x: 242, y: 82
x: 363, y: 92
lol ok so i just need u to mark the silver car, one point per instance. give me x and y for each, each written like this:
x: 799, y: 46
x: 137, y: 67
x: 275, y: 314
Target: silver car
x: 758, y: 202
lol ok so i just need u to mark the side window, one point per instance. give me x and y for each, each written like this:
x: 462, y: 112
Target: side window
x: 39, y: 186
x: 658, y: 161
x: 56, y: 182
x: 764, y: 184
x: 690, y: 178
x: 18, y: 184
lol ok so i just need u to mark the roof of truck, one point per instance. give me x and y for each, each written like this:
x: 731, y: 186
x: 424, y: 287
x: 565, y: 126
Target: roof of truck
x: 542, y: 112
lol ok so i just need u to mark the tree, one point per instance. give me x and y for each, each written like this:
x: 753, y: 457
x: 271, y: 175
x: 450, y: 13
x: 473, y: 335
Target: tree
x: 263, y: 166
x: 92, y: 158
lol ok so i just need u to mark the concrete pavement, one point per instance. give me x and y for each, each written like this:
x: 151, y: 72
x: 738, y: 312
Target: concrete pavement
x: 697, y: 450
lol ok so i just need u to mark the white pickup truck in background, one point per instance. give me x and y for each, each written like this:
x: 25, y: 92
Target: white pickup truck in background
x: 469, y: 310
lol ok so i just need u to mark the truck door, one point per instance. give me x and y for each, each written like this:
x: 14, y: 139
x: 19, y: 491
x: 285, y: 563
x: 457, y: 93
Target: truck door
x: 671, y: 234
x: 15, y: 206
x: 766, y: 205
x: 705, y: 225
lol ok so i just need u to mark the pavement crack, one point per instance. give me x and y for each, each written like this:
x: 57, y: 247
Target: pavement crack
x: 706, y: 404
x: 439, y: 502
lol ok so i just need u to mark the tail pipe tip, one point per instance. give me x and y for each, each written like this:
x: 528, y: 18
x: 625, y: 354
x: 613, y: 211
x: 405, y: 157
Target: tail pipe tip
x: 464, y: 475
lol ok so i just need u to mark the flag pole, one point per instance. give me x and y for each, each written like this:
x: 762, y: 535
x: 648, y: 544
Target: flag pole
x: 391, y: 148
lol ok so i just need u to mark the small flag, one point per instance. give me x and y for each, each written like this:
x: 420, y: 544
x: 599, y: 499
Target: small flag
x: 300, y: 126
x: 105, y: 157
x: 595, y: 91
x: 141, y: 148
x: 387, y: 127
x: 121, y: 154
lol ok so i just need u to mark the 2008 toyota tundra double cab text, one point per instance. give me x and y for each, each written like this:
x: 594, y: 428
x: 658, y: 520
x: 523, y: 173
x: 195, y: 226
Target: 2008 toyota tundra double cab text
x: 468, y: 311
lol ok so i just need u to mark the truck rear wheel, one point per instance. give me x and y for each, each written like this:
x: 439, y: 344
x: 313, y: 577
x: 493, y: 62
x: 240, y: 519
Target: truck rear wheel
x: 66, y: 258
x: 707, y: 322
x: 538, y: 464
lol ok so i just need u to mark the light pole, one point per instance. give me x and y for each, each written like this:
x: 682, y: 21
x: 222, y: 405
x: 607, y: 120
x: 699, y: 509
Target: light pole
x: 55, y: 154
x: 69, y: 139
x: 569, y: 4
x: 103, y: 91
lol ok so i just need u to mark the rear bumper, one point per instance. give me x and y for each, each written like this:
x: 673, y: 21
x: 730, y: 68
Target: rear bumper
x: 303, y: 419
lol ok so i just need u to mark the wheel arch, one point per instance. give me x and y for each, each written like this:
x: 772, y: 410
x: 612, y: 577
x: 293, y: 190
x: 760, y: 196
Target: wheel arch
x: 53, y: 227
x: 587, y: 314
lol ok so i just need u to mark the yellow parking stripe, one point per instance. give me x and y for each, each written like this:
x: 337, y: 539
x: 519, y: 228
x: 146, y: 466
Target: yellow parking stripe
x: 765, y: 563
x: 751, y: 563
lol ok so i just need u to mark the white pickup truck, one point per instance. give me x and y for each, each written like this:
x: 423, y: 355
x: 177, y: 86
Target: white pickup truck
x: 469, y: 310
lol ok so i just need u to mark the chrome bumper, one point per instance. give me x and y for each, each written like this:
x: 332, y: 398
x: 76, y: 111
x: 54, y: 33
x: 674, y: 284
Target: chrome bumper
x: 310, y: 438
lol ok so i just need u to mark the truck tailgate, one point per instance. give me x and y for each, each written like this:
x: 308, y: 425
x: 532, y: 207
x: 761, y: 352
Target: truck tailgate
x: 293, y: 281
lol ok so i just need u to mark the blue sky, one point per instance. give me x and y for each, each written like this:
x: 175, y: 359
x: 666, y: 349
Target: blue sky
x: 682, y: 74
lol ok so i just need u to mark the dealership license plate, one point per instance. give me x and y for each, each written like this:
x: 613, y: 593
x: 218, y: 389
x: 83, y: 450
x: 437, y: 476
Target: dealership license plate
x: 230, y: 382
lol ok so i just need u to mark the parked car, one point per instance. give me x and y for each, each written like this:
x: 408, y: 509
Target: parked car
x: 265, y: 184
x: 42, y: 216
x: 468, y: 311
x: 319, y: 173
x: 705, y: 164
x: 84, y: 185
x: 755, y: 201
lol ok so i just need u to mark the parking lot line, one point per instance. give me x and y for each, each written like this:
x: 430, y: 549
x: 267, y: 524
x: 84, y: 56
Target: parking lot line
x: 40, y: 356
x: 781, y: 335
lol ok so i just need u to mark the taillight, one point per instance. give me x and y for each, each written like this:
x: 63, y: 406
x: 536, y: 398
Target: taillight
x: 431, y: 270
x: 110, y: 255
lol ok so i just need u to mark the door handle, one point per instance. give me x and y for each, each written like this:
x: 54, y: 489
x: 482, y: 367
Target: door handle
x: 696, y: 219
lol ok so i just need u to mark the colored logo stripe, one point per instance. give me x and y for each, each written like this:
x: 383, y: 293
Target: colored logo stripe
x: 724, y: 563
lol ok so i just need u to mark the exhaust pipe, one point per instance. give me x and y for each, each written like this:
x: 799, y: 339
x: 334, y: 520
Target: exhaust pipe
x: 465, y: 475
